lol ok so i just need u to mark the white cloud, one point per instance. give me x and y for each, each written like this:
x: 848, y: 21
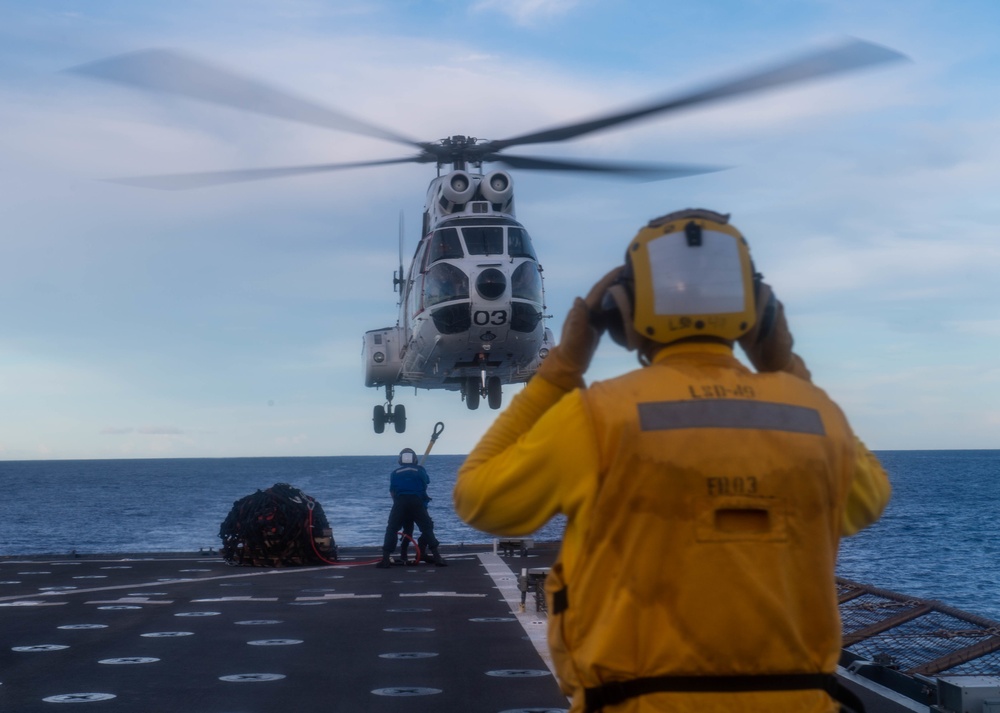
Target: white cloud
x: 159, y: 431
x: 527, y: 12
x: 977, y: 327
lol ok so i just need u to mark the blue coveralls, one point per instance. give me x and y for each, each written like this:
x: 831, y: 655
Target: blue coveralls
x: 408, y: 486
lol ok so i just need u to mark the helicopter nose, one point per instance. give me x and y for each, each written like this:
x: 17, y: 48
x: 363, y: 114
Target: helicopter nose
x: 491, y: 283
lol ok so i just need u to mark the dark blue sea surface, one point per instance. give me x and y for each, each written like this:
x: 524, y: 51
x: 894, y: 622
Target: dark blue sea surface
x: 177, y: 505
x: 939, y: 538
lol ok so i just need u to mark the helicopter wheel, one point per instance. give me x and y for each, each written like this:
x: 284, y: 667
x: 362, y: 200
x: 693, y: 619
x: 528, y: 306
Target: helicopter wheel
x: 399, y: 418
x: 472, y: 392
x: 494, y: 392
x: 378, y: 418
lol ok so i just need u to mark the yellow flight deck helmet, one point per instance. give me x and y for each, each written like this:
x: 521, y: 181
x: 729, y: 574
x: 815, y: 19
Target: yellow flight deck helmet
x: 687, y: 274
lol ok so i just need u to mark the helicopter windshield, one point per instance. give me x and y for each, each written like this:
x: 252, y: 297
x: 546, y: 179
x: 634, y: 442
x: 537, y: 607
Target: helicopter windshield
x: 445, y: 282
x: 519, y: 244
x: 526, y: 282
x: 483, y: 240
x: 444, y: 245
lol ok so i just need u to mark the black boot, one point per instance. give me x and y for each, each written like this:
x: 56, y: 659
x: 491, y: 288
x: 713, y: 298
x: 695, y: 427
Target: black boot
x: 385, y: 563
x: 402, y: 552
x: 436, y: 557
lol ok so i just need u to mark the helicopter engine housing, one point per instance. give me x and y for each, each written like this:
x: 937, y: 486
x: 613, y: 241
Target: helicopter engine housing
x: 497, y: 187
x: 381, y: 353
x: 458, y: 187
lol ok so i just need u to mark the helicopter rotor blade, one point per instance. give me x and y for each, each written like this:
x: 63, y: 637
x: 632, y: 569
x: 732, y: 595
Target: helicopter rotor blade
x: 172, y: 72
x: 187, y: 181
x: 640, y: 171
x: 851, y: 55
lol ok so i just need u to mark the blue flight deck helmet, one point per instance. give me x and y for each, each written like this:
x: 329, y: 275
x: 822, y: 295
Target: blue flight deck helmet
x: 407, y: 456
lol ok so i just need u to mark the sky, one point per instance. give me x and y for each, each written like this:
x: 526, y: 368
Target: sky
x: 227, y: 321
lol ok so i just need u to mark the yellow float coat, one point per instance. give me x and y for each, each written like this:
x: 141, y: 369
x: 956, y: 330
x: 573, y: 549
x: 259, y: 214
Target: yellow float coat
x: 704, y: 508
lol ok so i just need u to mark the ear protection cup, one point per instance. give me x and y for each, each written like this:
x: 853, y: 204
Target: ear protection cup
x: 765, y: 313
x: 616, y: 310
x: 617, y: 305
x: 609, y: 319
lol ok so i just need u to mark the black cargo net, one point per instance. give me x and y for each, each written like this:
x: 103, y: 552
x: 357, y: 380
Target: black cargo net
x: 916, y: 636
x: 277, y: 527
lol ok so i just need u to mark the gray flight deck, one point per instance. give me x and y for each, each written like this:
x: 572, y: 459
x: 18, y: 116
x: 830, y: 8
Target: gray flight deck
x: 189, y: 633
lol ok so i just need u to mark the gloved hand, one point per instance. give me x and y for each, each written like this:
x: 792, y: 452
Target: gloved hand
x: 768, y: 344
x: 569, y: 360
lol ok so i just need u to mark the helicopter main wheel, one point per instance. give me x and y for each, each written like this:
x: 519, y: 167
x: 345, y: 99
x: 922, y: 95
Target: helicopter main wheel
x: 399, y: 418
x: 472, y: 392
x: 494, y: 392
x: 378, y: 418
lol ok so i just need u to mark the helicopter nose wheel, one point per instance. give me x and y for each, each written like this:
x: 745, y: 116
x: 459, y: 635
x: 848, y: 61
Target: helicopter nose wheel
x: 382, y: 415
x: 473, y: 389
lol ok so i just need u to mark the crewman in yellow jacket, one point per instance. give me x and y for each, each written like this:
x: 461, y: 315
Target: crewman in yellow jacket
x: 704, y: 500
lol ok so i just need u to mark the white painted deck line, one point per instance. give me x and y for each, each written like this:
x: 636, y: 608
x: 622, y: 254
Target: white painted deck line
x: 534, y: 623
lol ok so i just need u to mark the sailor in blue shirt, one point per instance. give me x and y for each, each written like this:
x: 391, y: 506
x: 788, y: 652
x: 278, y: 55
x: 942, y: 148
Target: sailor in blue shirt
x: 408, y: 487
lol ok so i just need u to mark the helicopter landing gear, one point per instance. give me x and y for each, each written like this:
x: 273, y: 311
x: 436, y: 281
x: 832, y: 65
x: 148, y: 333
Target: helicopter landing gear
x: 382, y: 415
x: 472, y: 390
x: 494, y: 392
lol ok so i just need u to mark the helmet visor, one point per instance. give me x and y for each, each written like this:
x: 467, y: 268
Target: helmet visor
x: 696, y: 280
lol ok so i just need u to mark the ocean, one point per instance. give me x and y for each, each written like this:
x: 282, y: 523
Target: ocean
x: 939, y: 538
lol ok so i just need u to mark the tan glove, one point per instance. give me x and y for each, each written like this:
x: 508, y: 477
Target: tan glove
x: 568, y: 361
x: 768, y: 345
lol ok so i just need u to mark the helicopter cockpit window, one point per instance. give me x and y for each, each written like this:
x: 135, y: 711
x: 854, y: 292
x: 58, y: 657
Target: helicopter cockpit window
x: 445, y: 282
x: 484, y: 240
x: 526, y: 282
x: 519, y: 244
x: 444, y: 245
x: 417, y: 264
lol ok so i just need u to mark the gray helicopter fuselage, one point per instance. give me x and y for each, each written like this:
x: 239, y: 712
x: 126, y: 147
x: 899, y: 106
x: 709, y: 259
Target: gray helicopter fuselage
x: 472, y: 303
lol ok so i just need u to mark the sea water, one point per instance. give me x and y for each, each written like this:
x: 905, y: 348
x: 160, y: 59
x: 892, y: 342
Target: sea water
x: 938, y: 539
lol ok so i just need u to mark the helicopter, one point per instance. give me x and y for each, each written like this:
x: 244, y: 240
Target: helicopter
x: 471, y: 304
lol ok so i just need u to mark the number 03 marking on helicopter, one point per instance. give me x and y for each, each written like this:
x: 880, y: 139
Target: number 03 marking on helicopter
x: 471, y: 303
x: 483, y: 317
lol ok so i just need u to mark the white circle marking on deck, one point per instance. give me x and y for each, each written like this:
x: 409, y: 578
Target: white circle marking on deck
x: 252, y: 677
x: 39, y: 647
x: 198, y: 613
x: 408, y: 629
x: 406, y: 691
x: 258, y: 622
x: 408, y: 655
x: 79, y: 697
